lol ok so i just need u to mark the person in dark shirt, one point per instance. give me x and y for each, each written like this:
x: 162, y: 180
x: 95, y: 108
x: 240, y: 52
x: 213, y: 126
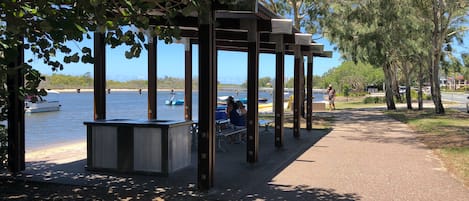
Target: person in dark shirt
x: 238, y: 114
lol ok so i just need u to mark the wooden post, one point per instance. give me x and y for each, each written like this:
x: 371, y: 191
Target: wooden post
x: 99, y: 76
x: 297, y: 92
x: 279, y: 90
x: 152, y: 78
x: 188, y: 80
x: 16, y: 126
x: 302, y: 86
x: 207, y: 100
x: 252, y: 146
x: 309, y: 89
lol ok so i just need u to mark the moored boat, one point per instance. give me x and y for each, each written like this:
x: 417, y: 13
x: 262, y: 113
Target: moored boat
x: 41, y: 106
x: 174, y: 102
x: 35, y: 104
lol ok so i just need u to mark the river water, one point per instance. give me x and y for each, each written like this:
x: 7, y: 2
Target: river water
x: 66, y: 126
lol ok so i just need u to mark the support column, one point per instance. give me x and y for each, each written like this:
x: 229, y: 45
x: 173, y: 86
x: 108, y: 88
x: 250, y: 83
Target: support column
x: 252, y: 146
x: 297, y: 91
x: 99, y: 76
x: 302, y: 86
x: 207, y: 100
x: 279, y: 90
x: 152, y: 78
x: 188, y: 80
x: 309, y: 89
x: 16, y: 127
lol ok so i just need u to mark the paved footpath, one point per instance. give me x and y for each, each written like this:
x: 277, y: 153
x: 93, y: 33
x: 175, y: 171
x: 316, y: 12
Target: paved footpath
x: 369, y: 156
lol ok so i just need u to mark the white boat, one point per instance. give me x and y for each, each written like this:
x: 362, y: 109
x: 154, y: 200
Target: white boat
x: 223, y: 98
x: 39, y: 104
x: 174, y: 102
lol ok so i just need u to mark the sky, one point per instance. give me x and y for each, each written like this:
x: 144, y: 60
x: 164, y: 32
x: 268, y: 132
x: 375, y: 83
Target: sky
x: 232, y: 66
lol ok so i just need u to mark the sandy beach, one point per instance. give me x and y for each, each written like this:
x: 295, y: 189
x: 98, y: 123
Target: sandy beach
x: 58, y: 154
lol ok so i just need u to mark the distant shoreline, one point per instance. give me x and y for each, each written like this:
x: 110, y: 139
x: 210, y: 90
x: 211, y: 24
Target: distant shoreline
x: 166, y: 89
x: 112, y: 90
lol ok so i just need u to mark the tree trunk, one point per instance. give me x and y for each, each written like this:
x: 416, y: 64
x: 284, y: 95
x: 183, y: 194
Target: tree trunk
x: 435, y: 90
x: 388, y: 85
x: 395, y: 83
x: 420, y: 80
x: 437, y: 41
x: 408, y: 97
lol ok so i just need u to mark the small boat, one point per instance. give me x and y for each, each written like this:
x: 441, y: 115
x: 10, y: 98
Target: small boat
x: 223, y: 98
x: 174, y: 102
x: 260, y: 100
x: 35, y: 104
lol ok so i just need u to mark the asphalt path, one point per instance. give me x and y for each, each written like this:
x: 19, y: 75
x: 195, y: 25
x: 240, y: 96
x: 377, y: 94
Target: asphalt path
x: 461, y: 98
x: 455, y: 96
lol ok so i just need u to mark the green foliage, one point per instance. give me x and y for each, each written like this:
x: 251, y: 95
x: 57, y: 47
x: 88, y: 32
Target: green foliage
x: 355, y: 77
x: 290, y: 83
x: 374, y: 99
x: 171, y: 83
x: 305, y: 13
x: 3, y: 146
x: 44, y: 27
x: 60, y: 81
x: 263, y: 82
x: 388, y: 34
x: 346, y: 90
x: 414, y: 95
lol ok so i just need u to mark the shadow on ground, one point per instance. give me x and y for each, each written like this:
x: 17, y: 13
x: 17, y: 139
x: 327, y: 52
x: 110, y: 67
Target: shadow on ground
x: 234, y: 178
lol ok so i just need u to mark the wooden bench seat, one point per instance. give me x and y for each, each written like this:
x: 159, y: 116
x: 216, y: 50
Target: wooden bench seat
x: 226, y: 130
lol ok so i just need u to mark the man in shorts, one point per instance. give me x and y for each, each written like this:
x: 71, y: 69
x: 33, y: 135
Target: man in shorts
x: 331, y: 96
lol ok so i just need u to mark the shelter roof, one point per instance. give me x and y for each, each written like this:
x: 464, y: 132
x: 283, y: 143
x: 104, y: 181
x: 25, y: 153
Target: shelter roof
x: 232, y: 32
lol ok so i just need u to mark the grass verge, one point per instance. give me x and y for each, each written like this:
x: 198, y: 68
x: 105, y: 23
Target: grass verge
x: 447, y: 135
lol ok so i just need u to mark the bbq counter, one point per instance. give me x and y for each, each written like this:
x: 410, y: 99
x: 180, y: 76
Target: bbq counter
x: 138, y: 146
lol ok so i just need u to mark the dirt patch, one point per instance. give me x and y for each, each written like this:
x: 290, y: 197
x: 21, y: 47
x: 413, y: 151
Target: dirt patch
x: 435, y: 141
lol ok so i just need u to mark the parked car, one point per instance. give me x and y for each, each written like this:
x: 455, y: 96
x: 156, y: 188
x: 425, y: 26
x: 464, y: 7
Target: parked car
x: 402, y: 89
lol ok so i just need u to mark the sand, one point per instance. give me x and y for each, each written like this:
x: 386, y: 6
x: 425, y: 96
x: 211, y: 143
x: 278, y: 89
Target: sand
x: 59, y: 154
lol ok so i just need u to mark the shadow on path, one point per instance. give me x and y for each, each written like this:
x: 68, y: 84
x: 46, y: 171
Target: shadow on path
x: 235, y: 179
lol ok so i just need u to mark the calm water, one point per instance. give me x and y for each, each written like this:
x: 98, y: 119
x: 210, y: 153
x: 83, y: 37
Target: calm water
x: 65, y: 126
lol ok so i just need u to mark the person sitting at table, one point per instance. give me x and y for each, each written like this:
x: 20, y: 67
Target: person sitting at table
x: 238, y: 119
x: 238, y: 114
x: 229, y: 105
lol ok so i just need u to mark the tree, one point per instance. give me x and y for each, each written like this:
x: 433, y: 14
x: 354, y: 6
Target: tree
x: 44, y: 27
x: 305, y: 13
x: 353, y: 77
x: 447, y: 18
x: 265, y: 82
x: 384, y: 33
x: 359, y: 30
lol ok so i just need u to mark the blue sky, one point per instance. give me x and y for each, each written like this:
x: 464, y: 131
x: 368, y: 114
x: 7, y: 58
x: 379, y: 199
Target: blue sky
x: 232, y: 66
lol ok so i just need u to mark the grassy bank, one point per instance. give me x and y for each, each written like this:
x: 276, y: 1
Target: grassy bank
x: 447, y: 135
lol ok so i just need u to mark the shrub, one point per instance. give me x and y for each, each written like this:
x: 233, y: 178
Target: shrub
x: 415, y: 96
x: 375, y: 99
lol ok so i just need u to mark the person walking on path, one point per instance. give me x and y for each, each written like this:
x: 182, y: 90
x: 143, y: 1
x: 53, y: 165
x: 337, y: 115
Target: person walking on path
x: 331, y: 97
